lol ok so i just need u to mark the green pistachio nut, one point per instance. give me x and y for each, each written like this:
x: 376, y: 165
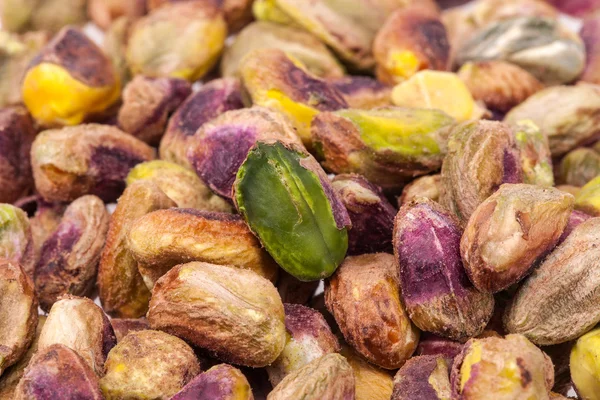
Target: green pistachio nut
x: 16, y: 243
x: 585, y: 365
x: 588, y: 199
x: 536, y: 159
x: 579, y: 167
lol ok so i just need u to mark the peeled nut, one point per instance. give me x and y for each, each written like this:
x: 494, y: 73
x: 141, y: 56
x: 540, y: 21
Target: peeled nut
x: 588, y: 199
x: 16, y: 241
x: 425, y: 186
x: 371, y: 382
x: 579, y: 166
x: 585, y: 369
x: 362, y: 92
x: 41, y: 15
x: 221, y: 382
x: 424, y: 377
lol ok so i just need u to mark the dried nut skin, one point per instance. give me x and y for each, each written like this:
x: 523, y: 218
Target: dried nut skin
x: 274, y: 80
x: 180, y: 184
x: 498, y: 84
x: 579, y: 166
x: 585, y: 370
x: 58, y: 373
x: 426, y: 186
x: 16, y: 240
x: 387, y: 145
x: 472, y: 170
x: 288, y: 202
x: 124, y: 326
x: 221, y: 382
x: 70, y: 80
x: 34, y: 15
x: 362, y: 92
x: 536, y: 158
x: 510, y: 368
x: 195, y: 33
x: 147, y: 105
x: 573, y: 120
x: 557, y: 303
x: 589, y: 34
x: 436, y: 291
x: 433, y: 345
x: 423, y: 377
x: 299, y: 44
x: 371, y: 382
x: 104, y: 12
x: 211, y: 100
x: 233, y: 313
x: 588, y: 199
x: 364, y: 298
x: 308, y: 338
x: 18, y: 313
x: 69, y: 257
x: 541, y: 46
x: 371, y: 214
x: 161, y: 363
x: 43, y: 224
x: 86, y: 159
x: 410, y: 40
x: 575, y: 219
x: 220, y: 146
x: 327, y: 378
x: 162, y: 239
x: 16, y: 135
x: 121, y: 288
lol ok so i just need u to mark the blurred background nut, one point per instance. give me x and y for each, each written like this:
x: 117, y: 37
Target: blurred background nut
x: 16, y: 240
x: 510, y: 368
x: 104, y: 12
x: 579, y: 166
x: 329, y: 378
x: 288, y: 202
x: 588, y: 199
x: 18, y: 313
x: 41, y: 15
x: 78, y: 323
x: 161, y: 364
x: 115, y: 47
x: 179, y: 40
x: 425, y: 186
x: 86, y: 159
x: 211, y: 100
x: 578, y: 8
x: 536, y: 158
x: 71, y: 79
x: 387, y: 145
x: 411, y: 39
x: 308, y: 338
x: 162, y: 239
x: 147, y: 105
x: 364, y: 298
x: 371, y: 382
x: 298, y: 43
x: 220, y: 146
x: 435, y: 289
x: 58, y: 372
x: 124, y: 326
x: 488, y: 11
x: 590, y: 32
x: 362, y: 92
x: 121, y: 288
x: 371, y: 214
x: 425, y: 377
x: 557, y: 302
x: 585, y: 367
x: 235, y: 314
x: 69, y: 257
x: 180, y: 184
x: 221, y: 382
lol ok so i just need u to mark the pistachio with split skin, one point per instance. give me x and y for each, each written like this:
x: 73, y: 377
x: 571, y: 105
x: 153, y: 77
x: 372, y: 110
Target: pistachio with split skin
x: 221, y: 382
x: 425, y: 186
x: 362, y: 92
x: 371, y: 382
x: 424, y: 377
x: 588, y: 199
x: 211, y: 100
x: 579, y: 166
x: 104, y: 12
x: 584, y: 366
x: 16, y: 240
x: 387, y: 145
x: 42, y: 15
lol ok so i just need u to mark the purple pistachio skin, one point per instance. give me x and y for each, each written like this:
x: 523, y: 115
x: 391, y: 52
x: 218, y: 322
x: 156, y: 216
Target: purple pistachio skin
x: 433, y: 345
x: 590, y: 32
x: 372, y: 215
x: 58, y: 373
x: 575, y: 219
x: 437, y: 293
x: 221, y: 382
x: 212, y: 100
x: 122, y: 326
x: 414, y: 379
x: 362, y: 91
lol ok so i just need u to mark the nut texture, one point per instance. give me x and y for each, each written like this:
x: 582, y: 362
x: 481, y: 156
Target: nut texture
x: 585, y: 371
x: 16, y: 240
x: 424, y: 377
x: 371, y: 382
x: 124, y: 326
x: 221, y: 382
x: 362, y: 92
x: 536, y: 159
x: 426, y: 186
x: 588, y: 199
x: 579, y: 166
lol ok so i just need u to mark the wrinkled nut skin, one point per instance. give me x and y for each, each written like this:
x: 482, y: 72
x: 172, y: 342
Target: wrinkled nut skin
x: 363, y: 92
x: 510, y: 231
x: 58, y: 373
x: 220, y: 146
x: 161, y: 363
x: 298, y: 43
x: 69, y: 257
x: 18, y: 313
x: 124, y: 326
x: 579, y: 166
x: 292, y: 290
x: 557, y: 303
x: 211, y: 100
x: 423, y: 377
x: 433, y: 345
x: 328, y: 378
x: 589, y: 34
x: 436, y: 291
x: 80, y: 324
x: 536, y: 158
x: 387, y: 145
x: 70, y: 79
x: 498, y: 84
x: 86, y: 159
x: 426, y: 186
x: 371, y: 382
x: 588, y: 199
x: 180, y: 184
x: 273, y: 80
x: 195, y: 31
x: 308, y: 338
x: 221, y: 382
x: 585, y: 371
x: 233, y: 313
x: 16, y: 136
x: 121, y: 288
x: 371, y: 214
x: 482, y: 155
x: 147, y: 105
x: 363, y: 296
x: 573, y: 120
x: 411, y: 39
x: 16, y: 240
x: 575, y: 219
x: 105, y: 12
x: 162, y: 239
x: 41, y: 15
